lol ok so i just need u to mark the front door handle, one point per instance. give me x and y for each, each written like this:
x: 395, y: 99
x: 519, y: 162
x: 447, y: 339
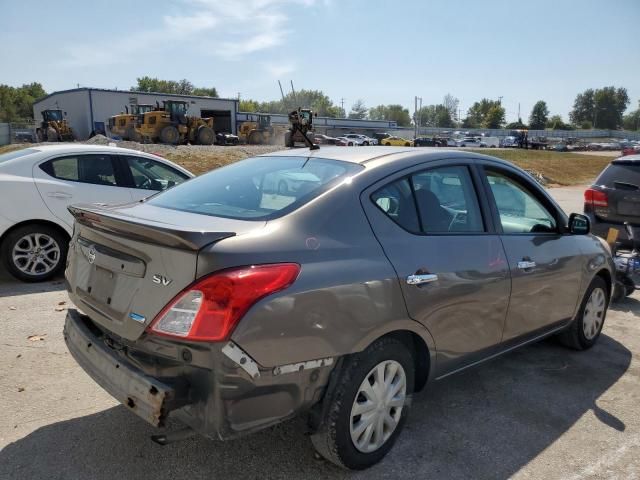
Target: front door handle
x: 419, y: 279
x: 526, y: 265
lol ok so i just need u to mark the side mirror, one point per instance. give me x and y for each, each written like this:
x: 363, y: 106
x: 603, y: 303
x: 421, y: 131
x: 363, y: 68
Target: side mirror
x: 579, y: 224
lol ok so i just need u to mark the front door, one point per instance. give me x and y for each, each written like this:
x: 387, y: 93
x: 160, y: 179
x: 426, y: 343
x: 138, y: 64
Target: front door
x: 452, y: 268
x: 545, y: 263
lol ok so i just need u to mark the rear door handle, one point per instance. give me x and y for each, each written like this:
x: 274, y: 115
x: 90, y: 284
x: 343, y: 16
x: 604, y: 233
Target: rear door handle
x: 419, y: 279
x: 59, y: 195
x: 526, y: 264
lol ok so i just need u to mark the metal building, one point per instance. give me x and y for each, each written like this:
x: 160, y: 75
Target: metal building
x: 88, y: 109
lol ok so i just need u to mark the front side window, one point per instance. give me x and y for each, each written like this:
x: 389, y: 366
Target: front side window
x: 95, y: 169
x: 519, y: 209
x: 153, y: 175
x: 260, y: 188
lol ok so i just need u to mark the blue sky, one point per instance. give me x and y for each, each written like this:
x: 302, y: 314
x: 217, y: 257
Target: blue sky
x: 382, y: 52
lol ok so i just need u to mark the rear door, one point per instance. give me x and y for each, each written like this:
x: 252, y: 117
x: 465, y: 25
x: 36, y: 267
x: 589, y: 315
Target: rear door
x: 546, y: 264
x: 79, y: 178
x: 437, y: 233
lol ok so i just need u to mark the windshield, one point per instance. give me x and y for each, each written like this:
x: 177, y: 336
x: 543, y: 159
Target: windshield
x: 260, y: 188
x: 53, y: 115
x: 17, y: 154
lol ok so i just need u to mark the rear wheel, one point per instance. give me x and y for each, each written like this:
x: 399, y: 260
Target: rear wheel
x: 133, y: 135
x: 169, y: 135
x: 206, y: 135
x: 288, y: 140
x: 34, y: 253
x: 52, y: 135
x: 407, y: 144
x: 585, y: 329
x: 368, y: 408
x: 255, y: 138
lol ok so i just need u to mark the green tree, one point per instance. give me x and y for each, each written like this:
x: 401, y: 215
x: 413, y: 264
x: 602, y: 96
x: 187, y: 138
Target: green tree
x: 391, y: 113
x: 479, y: 111
x: 631, y: 121
x: 516, y: 125
x: 316, y: 100
x: 249, y: 106
x: 16, y: 103
x: 435, y: 116
x: 495, y: 117
x: 180, y: 87
x: 603, y: 107
x: 358, y: 110
x: 451, y: 103
x: 556, y: 123
x: 539, y: 116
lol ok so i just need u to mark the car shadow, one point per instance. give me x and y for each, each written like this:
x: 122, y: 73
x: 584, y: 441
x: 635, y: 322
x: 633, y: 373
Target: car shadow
x: 486, y: 423
x: 627, y: 305
x: 10, y: 286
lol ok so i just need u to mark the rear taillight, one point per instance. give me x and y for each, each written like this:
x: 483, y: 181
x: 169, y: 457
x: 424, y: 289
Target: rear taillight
x: 210, y: 308
x: 596, y: 198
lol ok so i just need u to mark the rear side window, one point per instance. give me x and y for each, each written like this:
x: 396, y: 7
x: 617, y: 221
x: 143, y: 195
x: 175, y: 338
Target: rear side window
x: 620, y: 172
x: 95, y: 169
x: 438, y: 200
x: 260, y: 188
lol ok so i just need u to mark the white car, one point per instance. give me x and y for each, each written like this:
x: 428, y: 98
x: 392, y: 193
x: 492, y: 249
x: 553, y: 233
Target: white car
x: 38, y: 184
x: 469, y: 142
x: 361, y: 140
x: 490, y: 142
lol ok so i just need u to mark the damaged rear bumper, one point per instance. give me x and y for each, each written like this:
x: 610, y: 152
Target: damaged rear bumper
x: 146, y: 396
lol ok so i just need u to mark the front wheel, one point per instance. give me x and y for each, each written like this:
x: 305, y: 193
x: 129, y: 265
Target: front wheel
x: 368, y: 407
x: 585, y: 329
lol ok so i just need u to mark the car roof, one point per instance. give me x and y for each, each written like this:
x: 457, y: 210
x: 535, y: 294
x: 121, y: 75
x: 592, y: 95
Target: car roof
x: 76, y: 147
x: 365, y: 154
x: 627, y: 159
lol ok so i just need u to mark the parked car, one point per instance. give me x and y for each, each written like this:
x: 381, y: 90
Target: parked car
x: 226, y: 138
x: 38, y: 184
x: 614, y: 197
x: 231, y: 309
x: 397, y: 141
x: 429, y: 142
x: 489, y: 142
x: 344, y: 142
x: 469, y: 142
x: 509, y: 142
x: 361, y: 140
x: 630, y: 149
x: 324, y: 139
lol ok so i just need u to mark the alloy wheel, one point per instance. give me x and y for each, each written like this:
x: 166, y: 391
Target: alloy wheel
x: 36, y: 254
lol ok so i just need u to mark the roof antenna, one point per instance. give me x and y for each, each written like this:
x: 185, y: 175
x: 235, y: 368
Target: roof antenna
x: 293, y: 92
x: 284, y: 101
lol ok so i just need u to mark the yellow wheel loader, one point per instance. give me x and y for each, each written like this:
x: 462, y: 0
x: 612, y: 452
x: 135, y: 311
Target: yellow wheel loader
x: 124, y: 124
x: 261, y: 131
x: 54, y: 127
x: 172, y: 126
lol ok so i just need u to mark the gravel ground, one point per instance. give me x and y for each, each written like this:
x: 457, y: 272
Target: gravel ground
x: 540, y: 412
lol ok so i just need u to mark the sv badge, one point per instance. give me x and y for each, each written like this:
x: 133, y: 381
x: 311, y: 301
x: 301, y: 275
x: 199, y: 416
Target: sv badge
x: 161, y: 280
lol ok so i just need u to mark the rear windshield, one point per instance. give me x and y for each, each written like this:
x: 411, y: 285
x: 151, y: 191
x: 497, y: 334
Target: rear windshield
x: 620, y: 172
x: 17, y: 154
x: 260, y: 188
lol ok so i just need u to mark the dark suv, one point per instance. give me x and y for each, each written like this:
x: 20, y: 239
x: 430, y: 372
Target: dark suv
x: 614, y: 198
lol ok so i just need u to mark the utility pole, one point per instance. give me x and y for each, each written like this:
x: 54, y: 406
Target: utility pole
x: 459, y: 115
x: 500, y: 100
x: 415, y: 117
x: 518, y: 111
x: 238, y: 96
x: 342, y: 107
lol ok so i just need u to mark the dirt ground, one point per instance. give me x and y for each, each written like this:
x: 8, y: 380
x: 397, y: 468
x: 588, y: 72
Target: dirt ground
x: 541, y: 412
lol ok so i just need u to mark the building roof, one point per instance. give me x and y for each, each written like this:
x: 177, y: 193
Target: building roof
x: 130, y: 92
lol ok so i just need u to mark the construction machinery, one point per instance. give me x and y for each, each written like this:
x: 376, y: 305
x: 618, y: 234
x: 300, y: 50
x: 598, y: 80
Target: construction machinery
x: 124, y: 124
x: 260, y: 131
x: 172, y: 126
x: 300, y: 128
x: 54, y: 127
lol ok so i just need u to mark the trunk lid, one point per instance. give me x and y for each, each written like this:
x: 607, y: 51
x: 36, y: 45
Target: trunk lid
x: 621, y: 182
x: 127, y: 262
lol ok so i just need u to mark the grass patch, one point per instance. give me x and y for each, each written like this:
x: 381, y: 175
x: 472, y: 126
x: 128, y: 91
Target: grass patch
x: 561, y: 168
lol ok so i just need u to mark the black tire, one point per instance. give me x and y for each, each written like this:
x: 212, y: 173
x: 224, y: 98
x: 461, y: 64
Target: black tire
x: 52, y: 135
x: 288, y: 140
x: 9, y: 242
x: 365, y: 144
x: 133, y: 135
x: 407, y: 144
x: 169, y: 135
x: 206, y: 135
x: 333, y: 439
x: 574, y: 336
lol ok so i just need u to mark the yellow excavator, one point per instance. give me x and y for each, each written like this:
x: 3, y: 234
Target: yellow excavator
x: 123, y: 125
x: 172, y: 126
x: 260, y: 131
x: 54, y: 127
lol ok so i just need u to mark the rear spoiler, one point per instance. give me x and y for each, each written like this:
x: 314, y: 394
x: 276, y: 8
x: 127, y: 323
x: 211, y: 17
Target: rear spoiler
x: 145, y: 231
